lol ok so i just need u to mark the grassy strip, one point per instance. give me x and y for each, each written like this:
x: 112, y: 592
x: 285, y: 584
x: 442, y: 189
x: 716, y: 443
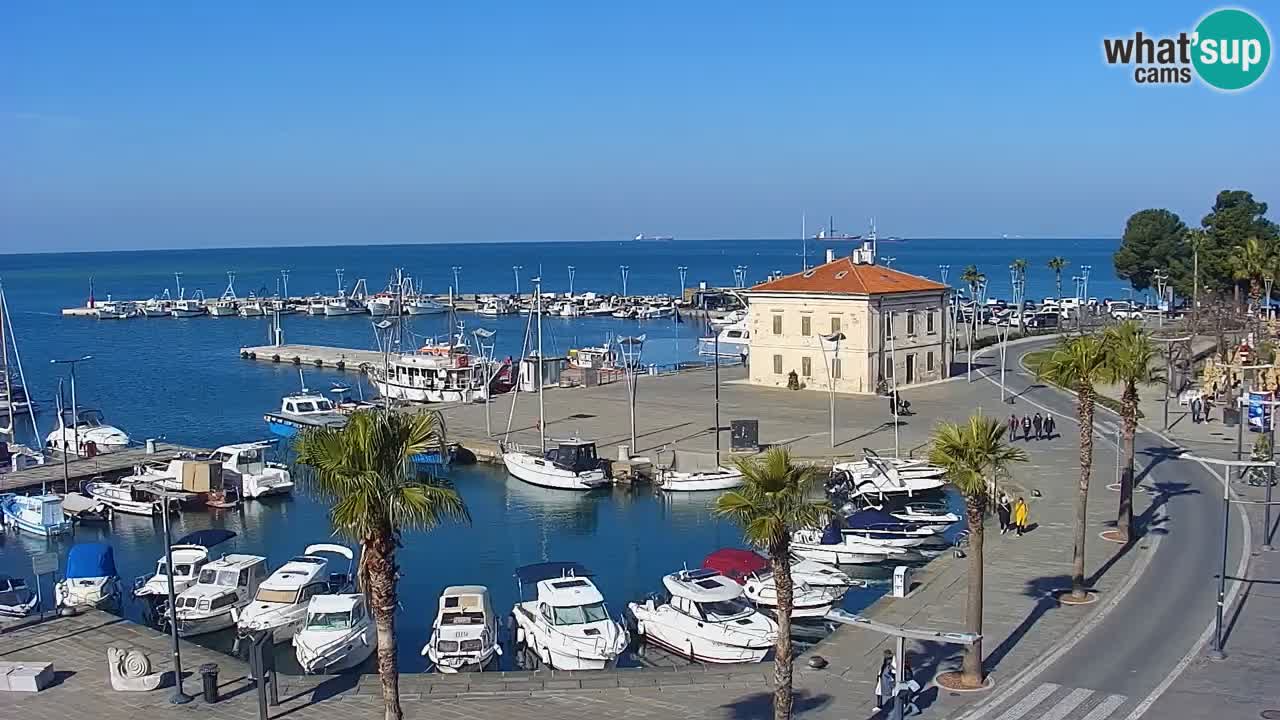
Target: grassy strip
x: 1033, y: 360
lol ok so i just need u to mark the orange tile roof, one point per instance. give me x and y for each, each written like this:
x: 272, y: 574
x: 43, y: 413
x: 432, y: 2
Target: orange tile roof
x: 843, y: 276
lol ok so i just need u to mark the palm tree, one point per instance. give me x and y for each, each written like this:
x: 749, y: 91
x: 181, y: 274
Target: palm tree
x: 1130, y: 354
x: 973, y: 279
x: 1019, y: 268
x: 774, y: 501
x: 1056, y: 264
x: 1251, y: 262
x: 365, y: 470
x: 975, y: 457
x: 1077, y: 363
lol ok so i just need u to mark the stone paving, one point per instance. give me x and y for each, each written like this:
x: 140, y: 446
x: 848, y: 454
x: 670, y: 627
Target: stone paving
x: 1021, y: 620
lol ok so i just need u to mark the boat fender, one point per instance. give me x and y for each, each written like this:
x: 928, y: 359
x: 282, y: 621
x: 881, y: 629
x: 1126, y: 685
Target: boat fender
x: 319, y: 362
x: 244, y: 354
x: 275, y: 358
x: 297, y: 360
x: 639, y: 627
x: 253, y: 356
x: 341, y: 365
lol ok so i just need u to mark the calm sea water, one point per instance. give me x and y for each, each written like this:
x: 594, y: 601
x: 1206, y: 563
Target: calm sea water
x: 182, y: 379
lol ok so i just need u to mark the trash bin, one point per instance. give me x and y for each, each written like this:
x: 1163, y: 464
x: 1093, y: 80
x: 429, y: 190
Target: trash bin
x: 209, y: 678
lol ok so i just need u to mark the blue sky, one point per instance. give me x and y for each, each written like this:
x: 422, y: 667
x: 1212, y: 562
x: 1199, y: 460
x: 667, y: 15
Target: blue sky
x: 159, y: 124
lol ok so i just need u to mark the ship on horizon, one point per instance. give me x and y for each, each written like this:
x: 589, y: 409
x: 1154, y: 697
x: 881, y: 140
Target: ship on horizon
x: 642, y: 236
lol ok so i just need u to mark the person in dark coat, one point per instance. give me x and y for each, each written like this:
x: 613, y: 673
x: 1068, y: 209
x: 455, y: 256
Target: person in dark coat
x: 1037, y: 422
x: 885, y: 681
x: 1049, y: 426
x: 1196, y: 406
x: 907, y: 690
x: 1004, y: 511
x: 1013, y: 427
x: 1026, y: 427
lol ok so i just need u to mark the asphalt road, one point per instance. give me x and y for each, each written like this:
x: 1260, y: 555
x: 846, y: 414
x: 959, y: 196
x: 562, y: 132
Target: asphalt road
x: 1163, y: 615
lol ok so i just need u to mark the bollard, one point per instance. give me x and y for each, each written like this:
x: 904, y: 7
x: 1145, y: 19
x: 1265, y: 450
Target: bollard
x: 209, y: 679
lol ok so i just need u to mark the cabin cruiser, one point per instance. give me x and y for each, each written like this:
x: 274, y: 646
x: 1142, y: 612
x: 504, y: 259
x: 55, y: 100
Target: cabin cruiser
x: 280, y: 604
x: 258, y: 478
x: 382, y: 305
x: 926, y: 513
x: 878, y: 476
x: 91, y: 579
x: 316, y: 305
x: 495, y: 306
x: 732, y: 318
x: 338, y: 634
x: 223, y: 587
x: 877, y: 527
x: 132, y: 497
x: 435, y: 373
x: 741, y: 565
x: 82, y: 508
x: 90, y: 430
x: 705, y: 619
x: 464, y: 635
x: 16, y: 598
x: 304, y: 411
x: 731, y: 341
x: 571, y: 465
x: 565, y: 624
x: 835, y: 548
x: 37, y: 514
x: 807, y: 601
x: 601, y: 357
x: 190, y: 554
x: 689, y: 473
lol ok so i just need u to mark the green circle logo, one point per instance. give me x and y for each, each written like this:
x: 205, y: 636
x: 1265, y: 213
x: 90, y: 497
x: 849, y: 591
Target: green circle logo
x: 1232, y: 49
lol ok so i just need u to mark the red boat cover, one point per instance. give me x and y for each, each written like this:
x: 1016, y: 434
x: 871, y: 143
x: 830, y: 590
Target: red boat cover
x: 736, y: 564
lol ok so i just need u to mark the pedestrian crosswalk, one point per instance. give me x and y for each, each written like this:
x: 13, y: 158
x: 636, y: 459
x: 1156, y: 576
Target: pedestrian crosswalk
x: 1050, y: 701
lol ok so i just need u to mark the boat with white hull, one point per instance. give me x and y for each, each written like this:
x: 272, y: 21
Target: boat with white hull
x: 693, y: 472
x: 91, y: 580
x: 740, y: 565
x: 339, y: 634
x: 258, y: 478
x: 833, y: 547
x: 131, y: 498
x: 730, y: 341
x: 877, y: 527
x: 807, y: 601
x: 88, y: 429
x: 304, y: 410
x: 705, y: 619
x: 16, y: 598
x: 223, y: 587
x: 39, y: 515
x: 280, y: 604
x: 565, y: 625
x: 571, y: 465
x: 190, y: 554
x: 464, y: 636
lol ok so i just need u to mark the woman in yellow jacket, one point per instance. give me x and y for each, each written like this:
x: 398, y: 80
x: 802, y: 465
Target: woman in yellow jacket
x: 1020, y: 514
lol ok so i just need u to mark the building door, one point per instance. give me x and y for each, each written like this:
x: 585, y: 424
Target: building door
x: 911, y: 368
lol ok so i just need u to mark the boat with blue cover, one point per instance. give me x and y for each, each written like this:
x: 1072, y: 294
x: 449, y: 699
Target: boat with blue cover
x: 36, y: 514
x: 877, y: 527
x: 91, y: 579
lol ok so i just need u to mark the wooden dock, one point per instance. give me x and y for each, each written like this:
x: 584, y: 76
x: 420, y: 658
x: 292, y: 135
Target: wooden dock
x: 110, y: 466
x: 313, y: 356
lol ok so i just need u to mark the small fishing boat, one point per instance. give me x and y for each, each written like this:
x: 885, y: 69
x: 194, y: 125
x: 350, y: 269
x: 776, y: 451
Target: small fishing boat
x: 731, y: 341
x: 495, y: 306
x: 188, y: 307
x: 253, y: 307
x: 807, y: 601
x: 223, y: 587
x: 258, y: 478
x: 226, y: 305
x: 82, y: 508
x: 316, y: 305
x: 571, y: 465
x: 464, y: 635
x: 304, y: 410
x: 157, y: 306
x: 37, y: 515
x: 131, y: 498
x: 190, y: 554
x: 16, y: 598
x: 113, y: 310
x: 280, y: 604
x: 655, y: 312
x: 91, y: 580
x: 424, y: 306
x: 706, y: 619
x: 561, y: 620
x: 692, y: 472
x: 339, y: 634
x: 383, y: 305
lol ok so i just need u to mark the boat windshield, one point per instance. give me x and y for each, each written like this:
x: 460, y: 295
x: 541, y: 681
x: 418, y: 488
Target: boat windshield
x: 725, y: 610
x: 184, y: 569
x: 90, y: 418
x: 579, y: 614
x: 288, y: 597
x: 329, y: 621
x: 224, y: 578
x: 324, y: 406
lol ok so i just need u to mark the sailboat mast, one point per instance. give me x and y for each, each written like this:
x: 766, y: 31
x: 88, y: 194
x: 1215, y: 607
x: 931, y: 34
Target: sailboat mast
x: 542, y: 413
x: 4, y: 368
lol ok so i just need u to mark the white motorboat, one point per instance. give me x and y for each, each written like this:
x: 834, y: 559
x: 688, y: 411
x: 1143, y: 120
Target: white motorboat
x: 131, y: 498
x: 687, y: 473
x: 820, y: 574
x: 495, y: 306
x: 734, y: 318
x: 565, y: 625
x: 422, y: 305
x: 569, y: 309
x: 316, y: 305
x: 304, y: 410
x: 877, y: 527
x: 598, y: 357
x: 876, y: 476
x: 835, y: 548
x: 157, y: 306
x: 655, y: 312
x: 188, y: 307
x: 806, y: 600
x: 36, y: 514
x: 571, y: 465
x: 705, y: 619
x: 434, y: 373
x: 339, y: 634
x: 112, y: 310
x: 741, y: 565
x: 190, y: 554
x: 223, y: 586
x: 90, y: 580
x: 731, y: 341
x: 253, y: 307
x: 926, y: 513
x: 281, y: 602
x: 16, y: 598
x: 383, y: 305
x: 625, y: 313
x: 89, y: 430
x: 278, y: 306
x: 464, y: 635
x: 258, y: 478
x: 339, y: 306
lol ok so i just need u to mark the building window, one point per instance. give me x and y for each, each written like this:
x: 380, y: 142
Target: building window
x: 835, y: 367
x: 777, y: 364
x: 806, y: 366
x: 888, y: 371
x: 888, y: 326
x: 835, y: 324
x: 928, y: 358
x: 911, y: 324
x: 777, y: 324
x: 928, y: 322
x: 805, y: 325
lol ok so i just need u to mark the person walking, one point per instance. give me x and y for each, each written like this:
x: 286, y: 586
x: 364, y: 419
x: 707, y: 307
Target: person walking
x: 1013, y: 427
x: 1020, y: 514
x: 1037, y: 422
x: 907, y: 689
x: 1004, y: 511
x: 1196, y: 406
x: 1026, y: 428
x: 885, y: 681
x: 1049, y: 426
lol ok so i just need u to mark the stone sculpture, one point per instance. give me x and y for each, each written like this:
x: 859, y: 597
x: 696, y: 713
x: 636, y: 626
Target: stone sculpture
x: 131, y: 671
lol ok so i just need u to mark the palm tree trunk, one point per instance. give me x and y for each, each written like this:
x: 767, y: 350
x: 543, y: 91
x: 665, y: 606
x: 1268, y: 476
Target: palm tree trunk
x: 971, y: 674
x: 1082, y: 500
x: 1129, y: 411
x: 382, y: 595
x: 1057, y: 278
x: 780, y: 555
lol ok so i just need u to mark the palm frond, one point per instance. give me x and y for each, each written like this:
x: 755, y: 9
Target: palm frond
x: 776, y: 498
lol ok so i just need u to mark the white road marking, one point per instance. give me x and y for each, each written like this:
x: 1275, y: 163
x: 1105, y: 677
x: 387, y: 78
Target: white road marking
x: 1067, y: 704
x: 1105, y: 708
x: 1028, y: 703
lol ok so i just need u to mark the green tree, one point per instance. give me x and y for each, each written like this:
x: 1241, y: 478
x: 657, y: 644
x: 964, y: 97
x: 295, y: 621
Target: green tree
x: 1152, y: 238
x: 773, y: 502
x: 975, y: 458
x: 365, y: 470
x: 1078, y: 363
x: 973, y: 279
x: 1251, y: 262
x: 1234, y: 218
x: 1056, y: 264
x: 1130, y: 358
x: 1019, y: 268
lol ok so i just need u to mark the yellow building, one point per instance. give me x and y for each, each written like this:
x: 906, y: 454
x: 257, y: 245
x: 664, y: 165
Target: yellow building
x: 862, y: 326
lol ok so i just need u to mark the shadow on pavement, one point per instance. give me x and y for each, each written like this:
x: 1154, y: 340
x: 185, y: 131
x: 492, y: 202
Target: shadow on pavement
x: 760, y: 705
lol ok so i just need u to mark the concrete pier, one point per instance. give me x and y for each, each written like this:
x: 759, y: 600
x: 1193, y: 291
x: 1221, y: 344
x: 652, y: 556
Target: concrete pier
x: 313, y: 356
x: 109, y: 466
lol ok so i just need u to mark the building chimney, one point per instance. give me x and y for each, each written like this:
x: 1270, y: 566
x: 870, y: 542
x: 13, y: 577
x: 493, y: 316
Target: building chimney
x: 831, y: 255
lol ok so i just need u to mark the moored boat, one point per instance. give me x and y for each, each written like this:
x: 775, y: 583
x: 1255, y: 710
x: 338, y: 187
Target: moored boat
x: 223, y: 586
x: 280, y: 604
x: 339, y: 634
x: 36, y: 515
x: 90, y: 580
x: 561, y: 620
x: 464, y: 636
x: 706, y: 619
x: 16, y: 598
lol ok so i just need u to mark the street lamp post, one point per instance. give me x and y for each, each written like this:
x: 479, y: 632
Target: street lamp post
x: 179, y: 697
x: 887, y: 260
x: 834, y: 340
x: 943, y: 270
x: 456, y: 289
x: 1003, y: 331
x: 515, y: 269
x: 683, y: 270
x: 624, y: 270
x: 572, y: 270
x: 75, y: 409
